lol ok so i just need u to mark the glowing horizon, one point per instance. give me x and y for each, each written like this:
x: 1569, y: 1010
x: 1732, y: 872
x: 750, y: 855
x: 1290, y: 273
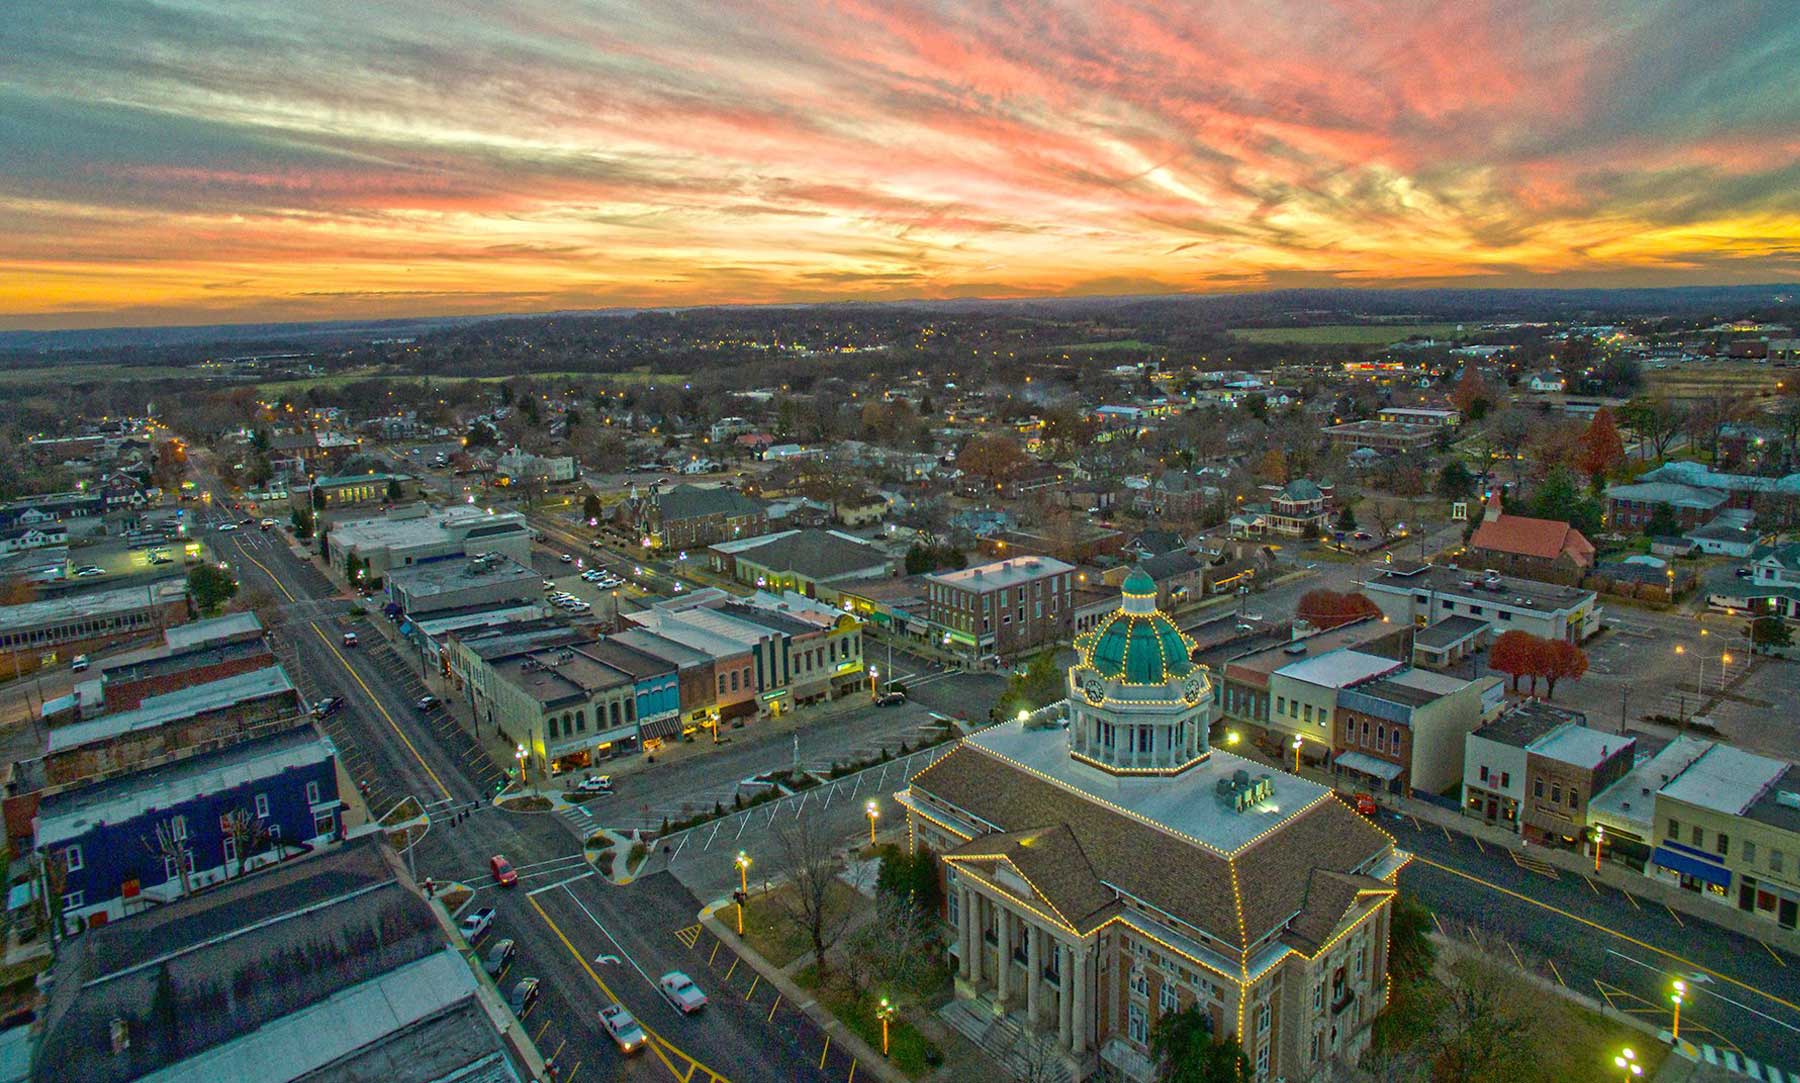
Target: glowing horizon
x: 202, y: 163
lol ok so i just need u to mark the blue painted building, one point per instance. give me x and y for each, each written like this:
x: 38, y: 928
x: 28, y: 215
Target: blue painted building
x: 655, y: 680
x: 132, y: 842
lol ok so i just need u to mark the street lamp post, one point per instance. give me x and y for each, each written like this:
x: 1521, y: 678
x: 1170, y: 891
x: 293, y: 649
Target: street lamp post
x: 872, y: 810
x: 1298, y: 742
x: 519, y: 754
x: 874, y: 676
x: 884, y: 1013
x: 1627, y: 1062
x: 1675, y: 998
x: 743, y: 866
x: 1599, y: 841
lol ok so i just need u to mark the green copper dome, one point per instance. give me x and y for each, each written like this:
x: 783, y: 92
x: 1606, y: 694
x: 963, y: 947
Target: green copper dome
x: 1137, y: 644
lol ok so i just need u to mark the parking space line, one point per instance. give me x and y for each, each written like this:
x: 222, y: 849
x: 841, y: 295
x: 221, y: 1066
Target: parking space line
x: 1590, y: 883
x: 735, y: 960
x: 851, y: 1078
x: 572, y: 1071
x: 1558, y: 973
x: 1773, y: 952
x: 1515, y: 953
x: 1478, y: 844
x: 715, y: 952
x: 1446, y: 832
x: 541, y: 1029
x: 752, y: 991
x: 1630, y: 899
x: 1674, y: 915
x: 771, y: 1016
x: 824, y: 1051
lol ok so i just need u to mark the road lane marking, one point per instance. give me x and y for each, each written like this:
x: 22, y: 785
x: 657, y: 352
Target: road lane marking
x: 688, y: 936
x: 560, y: 883
x: 657, y: 1041
x: 1698, y: 988
x: 1490, y: 885
x: 357, y: 677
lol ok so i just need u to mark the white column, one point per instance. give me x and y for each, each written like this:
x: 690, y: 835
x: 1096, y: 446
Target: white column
x: 965, y: 923
x: 1078, y: 1023
x: 1065, y: 969
x: 1034, y: 965
x: 1003, y: 964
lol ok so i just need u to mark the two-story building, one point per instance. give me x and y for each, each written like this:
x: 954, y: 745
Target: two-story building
x: 1002, y: 608
x: 1405, y: 731
x: 1423, y: 594
x: 1536, y: 768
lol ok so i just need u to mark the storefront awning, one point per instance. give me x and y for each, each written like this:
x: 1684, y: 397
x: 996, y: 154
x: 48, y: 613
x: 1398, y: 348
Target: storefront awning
x: 661, y: 729
x: 1365, y: 764
x: 1691, y: 866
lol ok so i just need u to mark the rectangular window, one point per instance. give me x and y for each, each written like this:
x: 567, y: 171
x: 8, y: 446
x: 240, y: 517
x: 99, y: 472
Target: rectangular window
x: 72, y: 859
x: 1674, y: 829
x: 1262, y: 1018
x: 178, y: 827
x: 1505, y: 779
x: 1749, y: 853
x: 1168, y: 1001
x: 74, y: 900
x: 230, y: 848
x: 1775, y: 860
x: 262, y: 806
x: 324, y: 823
x: 1537, y: 787
x: 1724, y: 844
x: 1574, y: 797
x: 1308, y: 712
x: 1698, y: 835
x: 1319, y: 997
x: 1281, y: 705
x: 1556, y: 793
x: 1140, y: 984
x: 1135, y: 1027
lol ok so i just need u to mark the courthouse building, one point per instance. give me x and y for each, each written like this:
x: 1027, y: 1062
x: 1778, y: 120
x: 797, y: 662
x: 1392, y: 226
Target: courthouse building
x: 1109, y: 868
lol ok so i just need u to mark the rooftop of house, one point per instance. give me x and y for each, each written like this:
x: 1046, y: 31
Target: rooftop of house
x: 155, y: 711
x: 1726, y: 779
x: 1002, y: 573
x: 71, y: 814
x: 1339, y: 668
x: 1671, y: 493
x: 1472, y: 583
x: 1545, y: 539
x: 1523, y: 723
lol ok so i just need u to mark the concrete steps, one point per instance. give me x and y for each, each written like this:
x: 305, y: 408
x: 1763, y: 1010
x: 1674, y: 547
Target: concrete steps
x: 1004, y: 1038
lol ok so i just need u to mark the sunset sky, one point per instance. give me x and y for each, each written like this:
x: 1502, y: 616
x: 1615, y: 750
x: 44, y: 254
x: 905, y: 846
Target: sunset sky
x: 198, y: 162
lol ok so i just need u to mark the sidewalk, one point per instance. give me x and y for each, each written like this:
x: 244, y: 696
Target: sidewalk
x: 1610, y: 874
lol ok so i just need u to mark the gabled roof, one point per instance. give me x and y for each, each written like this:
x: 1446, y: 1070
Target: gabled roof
x: 1545, y: 539
x: 693, y: 502
x: 1051, y: 861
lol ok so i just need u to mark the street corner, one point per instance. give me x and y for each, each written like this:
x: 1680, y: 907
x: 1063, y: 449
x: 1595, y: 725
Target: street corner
x: 618, y: 856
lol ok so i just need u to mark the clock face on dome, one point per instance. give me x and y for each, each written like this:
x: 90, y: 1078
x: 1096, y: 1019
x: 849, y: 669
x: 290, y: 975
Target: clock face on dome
x: 1093, y: 689
x: 1190, y: 690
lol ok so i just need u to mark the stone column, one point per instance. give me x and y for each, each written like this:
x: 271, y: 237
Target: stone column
x: 965, y: 924
x: 1003, y: 964
x: 1078, y: 1022
x: 1034, y: 965
x: 1065, y: 969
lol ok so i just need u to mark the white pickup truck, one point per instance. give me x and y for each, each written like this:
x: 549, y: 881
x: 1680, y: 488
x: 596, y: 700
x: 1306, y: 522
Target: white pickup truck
x: 476, y: 923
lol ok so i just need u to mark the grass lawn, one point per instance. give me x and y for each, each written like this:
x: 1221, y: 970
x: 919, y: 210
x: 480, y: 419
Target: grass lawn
x: 1696, y: 381
x: 408, y: 809
x: 1101, y: 347
x: 908, y: 1050
x: 76, y: 374
x: 1345, y: 334
x: 774, y: 935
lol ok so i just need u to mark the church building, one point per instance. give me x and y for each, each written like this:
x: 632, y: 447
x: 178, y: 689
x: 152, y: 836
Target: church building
x: 1106, y: 867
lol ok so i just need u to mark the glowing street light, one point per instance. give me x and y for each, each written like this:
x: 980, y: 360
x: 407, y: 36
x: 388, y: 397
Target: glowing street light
x: 1599, y: 841
x: 743, y: 867
x: 884, y: 1013
x: 873, y: 811
x: 1023, y: 715
x: 519, y: 754
x: 874, y: 675
x: 1675, y: 998
x: 1298, y: 742
x: 1232, y: 737
x: 1627, y: 1062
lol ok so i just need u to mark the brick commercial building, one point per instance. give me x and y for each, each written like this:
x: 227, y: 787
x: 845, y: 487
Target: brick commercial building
x: 1535, y: 768
x: 1100, y: 877
x: 54, y: 630
x: 1003, y: 608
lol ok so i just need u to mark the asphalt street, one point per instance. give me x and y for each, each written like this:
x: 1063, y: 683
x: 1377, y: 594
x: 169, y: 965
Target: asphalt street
x: 1606, y: 943
x: 589, y: 941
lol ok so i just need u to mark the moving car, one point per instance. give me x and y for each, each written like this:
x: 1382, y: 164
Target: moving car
x: 595, y: 784
x: 473, y: 925
x: 625, y: 1032
x: 228, y: 528
x: 328, y: 706
x: 504, y: 874
x: 499, y: 957
x: 87, y: 570
x: 565, y: 558
x: 425, y: 703
x: 524, y: 995
x: 267, y: 523
x: 890, y: 699
x: 349, y: 639
x: 679, y: 990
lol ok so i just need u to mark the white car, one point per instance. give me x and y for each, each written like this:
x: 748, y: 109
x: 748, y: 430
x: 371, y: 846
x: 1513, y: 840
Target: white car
x: 477, y: 923
x: 679, y: 990
x: 625, y: 1032
x: 228, y: 528
x: 88, y: 570
x: 565, y: 558
x: 595, y: 784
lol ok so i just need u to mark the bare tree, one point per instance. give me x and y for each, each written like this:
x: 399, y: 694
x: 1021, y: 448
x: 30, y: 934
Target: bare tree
x: 1482, y: 1037
x: 812, y: 900
x: 168, y: 841
x: 899, y: 951
x: 1033, y: 1058
x: 1510, y: 431
x: 249, y: 836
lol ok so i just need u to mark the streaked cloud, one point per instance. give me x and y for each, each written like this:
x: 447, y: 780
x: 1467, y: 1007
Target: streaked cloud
x: 188, y: 160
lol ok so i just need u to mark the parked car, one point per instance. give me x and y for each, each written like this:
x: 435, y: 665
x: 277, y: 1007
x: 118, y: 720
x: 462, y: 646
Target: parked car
x: 565, y: 558
x: 78, y: 663
x: 328, y: 706
x: 89, y: 570
x: 549, y: 585
x: 595, y: 784
x: 1363, y: 535
x: 524, y: 995
x: 474, y: 924
x: 625, y: 1032
x: 504, y: 874
x: 349, y: 639
x: 890, y: 699
x: 679, y: 990
x: 425, y: 703
x: 1744, y: 573
x: 499, y: 957
x: 1361, y: 802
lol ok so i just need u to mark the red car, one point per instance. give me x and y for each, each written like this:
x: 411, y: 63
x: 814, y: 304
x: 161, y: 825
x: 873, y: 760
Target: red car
x: 504, y: 874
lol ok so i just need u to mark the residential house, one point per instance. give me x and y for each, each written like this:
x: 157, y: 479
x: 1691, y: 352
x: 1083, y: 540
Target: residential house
x: 798, y: 560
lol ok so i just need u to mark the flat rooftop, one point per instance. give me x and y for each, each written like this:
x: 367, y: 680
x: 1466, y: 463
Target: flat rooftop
x: 99, y: 603
x: 1779, y: 803
x: 416, y: 529
x: 1632, y: 799
x: 1578, y: 745
x: 163, y: 662
x: 459, y: 573
x: 1726, y: 779
x: 1187, y: 803
x: 243, y: 625
x: 1525, y: 722
x: 1448, y: 632
x: 157, y: 711
x: 1339, y: 668
x: 550, y: 676
x: 1261, y: 656
x: 1002, y: 573
x: 1472, y: 583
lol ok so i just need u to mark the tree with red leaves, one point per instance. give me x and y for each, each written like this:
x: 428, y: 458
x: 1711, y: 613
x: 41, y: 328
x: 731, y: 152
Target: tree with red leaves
x: 1600, y: 450
x: 1561, y: 660
x: 1514, y: 655
x: 1471, y: 395
x: 1327, y: 608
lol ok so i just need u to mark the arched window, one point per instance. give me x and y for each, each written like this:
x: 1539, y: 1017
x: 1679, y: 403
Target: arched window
x: 581, y: 721
x: 550, y: 725
x: 631, y: 710
x: 614, y: 712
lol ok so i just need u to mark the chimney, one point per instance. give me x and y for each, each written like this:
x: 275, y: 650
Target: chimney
x: 1493, y: 508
